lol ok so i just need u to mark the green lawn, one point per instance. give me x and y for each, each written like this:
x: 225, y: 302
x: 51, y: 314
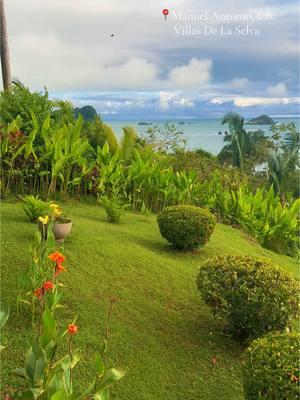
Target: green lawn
x: 161, y: 332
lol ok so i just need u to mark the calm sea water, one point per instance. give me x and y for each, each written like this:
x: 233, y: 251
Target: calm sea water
x: 199, y: 133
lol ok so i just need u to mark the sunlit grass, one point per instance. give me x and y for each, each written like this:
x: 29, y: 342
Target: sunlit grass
x: 161, y: 332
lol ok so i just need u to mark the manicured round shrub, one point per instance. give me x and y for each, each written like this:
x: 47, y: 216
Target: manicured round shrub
x: 271, y: 368
x: 186, y: 227
x: 253, y: 296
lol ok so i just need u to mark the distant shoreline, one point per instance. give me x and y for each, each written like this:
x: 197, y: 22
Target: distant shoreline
x: 199, y: 132
x: 108, y: 118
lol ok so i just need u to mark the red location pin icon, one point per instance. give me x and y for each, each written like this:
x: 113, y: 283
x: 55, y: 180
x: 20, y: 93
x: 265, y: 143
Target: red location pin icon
x: 165, y: 12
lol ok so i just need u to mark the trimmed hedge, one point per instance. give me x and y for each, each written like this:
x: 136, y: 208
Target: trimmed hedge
x: 186, y: 227
x: 271, y: 368
x: 253, y: 296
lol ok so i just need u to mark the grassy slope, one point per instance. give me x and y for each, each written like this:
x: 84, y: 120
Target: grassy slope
x: 161, y: 332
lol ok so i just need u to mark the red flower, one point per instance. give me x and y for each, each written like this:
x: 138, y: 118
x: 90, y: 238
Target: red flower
x: 59, y: 268
x: 57, y: 257
x: 72, y: 329
x: 48, y: 285
x: 39, y: 293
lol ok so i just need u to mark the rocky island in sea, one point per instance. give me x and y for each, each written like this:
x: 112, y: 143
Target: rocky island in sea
x: 261, y: 120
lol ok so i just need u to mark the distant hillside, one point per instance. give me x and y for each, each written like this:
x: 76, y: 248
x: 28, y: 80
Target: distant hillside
x: 88, y: 112
x: 261, y: 120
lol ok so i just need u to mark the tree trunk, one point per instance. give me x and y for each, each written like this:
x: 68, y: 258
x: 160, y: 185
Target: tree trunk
x: 6, y: 74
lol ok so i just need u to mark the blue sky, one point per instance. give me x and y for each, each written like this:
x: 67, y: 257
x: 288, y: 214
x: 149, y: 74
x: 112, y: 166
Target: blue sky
x: 203, y: 61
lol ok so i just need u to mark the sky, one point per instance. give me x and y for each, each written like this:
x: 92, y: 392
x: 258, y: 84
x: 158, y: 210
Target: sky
x: 124, y: 58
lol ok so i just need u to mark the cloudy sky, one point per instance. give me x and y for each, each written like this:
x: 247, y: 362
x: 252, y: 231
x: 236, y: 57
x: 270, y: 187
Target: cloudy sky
x: 127, y: 61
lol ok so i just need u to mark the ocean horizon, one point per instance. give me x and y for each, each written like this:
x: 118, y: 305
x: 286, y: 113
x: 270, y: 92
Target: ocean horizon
x: 198, y: 132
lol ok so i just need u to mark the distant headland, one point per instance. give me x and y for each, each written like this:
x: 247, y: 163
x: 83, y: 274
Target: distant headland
x: 261, y: 120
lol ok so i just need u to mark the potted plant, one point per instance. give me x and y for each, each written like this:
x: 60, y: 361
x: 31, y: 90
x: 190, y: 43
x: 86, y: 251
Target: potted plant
x: 61, y: 225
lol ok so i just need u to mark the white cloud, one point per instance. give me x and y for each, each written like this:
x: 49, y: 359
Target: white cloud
x: 109, y: 112
x: 64, y: 67
x: 68, y: 47
x: 219, y: 100
x: 192, y: 75
x: 277, y: 90
x: 238, y: 83
x: 259, y: 101
x: 168, y: 100
x: 164, y: 100
x: 183, y: 102
x: 255, y: 101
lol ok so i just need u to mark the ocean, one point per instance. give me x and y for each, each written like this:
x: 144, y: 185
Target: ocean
x: 199, y: 133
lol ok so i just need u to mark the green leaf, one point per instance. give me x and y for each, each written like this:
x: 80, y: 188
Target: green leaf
x: 60, y: 395
x: 83, y: 394
x: 110, y: 378
x: 55, y: 385
x: 4, y: 314
x: 49, y: 328
x: 102, y: 395
x: 20, y: 372
x: 43, y: 173
x: 99, y: 365
x: 32, y: 394
x: 104, y: 347
x: 35, y: 364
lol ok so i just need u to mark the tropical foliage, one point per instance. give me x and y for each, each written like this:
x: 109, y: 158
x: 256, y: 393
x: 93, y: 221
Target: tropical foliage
x: 243, y: 148
x: 34, y: 207
x: 283, y: 162
x: 46, y: 150
x: 113, y: 206
x: 277, y: 154
x: 166, y: 139
x: 146, y: 181
x: 262, y: 214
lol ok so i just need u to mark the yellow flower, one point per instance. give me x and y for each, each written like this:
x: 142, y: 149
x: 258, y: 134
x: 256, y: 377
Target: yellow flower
x: 53, y: 206
x: 57, y: 212
x: 44, y: 220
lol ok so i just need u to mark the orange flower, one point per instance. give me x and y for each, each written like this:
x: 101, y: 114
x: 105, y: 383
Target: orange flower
x: 72, y: 329
x: 48, y: 285
x: 59, y: 268
x: 39, y: 293
x: 57, y: 257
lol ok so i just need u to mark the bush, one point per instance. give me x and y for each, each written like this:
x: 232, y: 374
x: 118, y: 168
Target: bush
x: 113, y: 207
x: 34, y: 207
x: 271, y: 368
x: 186, y: 227
x: 252, y: 295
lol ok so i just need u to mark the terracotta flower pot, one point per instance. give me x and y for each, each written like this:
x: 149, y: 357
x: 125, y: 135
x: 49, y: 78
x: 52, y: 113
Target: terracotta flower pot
x: 61, y: 229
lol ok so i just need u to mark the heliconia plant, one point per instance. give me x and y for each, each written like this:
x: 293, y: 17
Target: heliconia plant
x: 57, y: 157
x: 273, y: 224
x: 145, y: 182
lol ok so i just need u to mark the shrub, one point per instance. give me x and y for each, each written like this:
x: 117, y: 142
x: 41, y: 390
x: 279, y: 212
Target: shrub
x: 113, y: 207
x: 186, y: 227
x: 252, y: 295
x: 34, y: 207
x: 271, y: 368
